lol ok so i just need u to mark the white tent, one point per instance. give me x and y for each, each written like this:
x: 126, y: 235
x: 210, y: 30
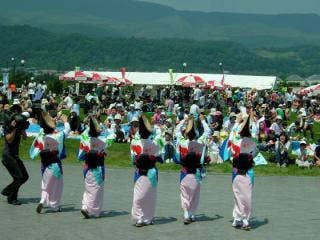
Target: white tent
x: 155, y: 78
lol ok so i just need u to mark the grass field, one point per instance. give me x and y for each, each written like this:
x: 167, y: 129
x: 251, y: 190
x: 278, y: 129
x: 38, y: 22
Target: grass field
x: 118, y: 157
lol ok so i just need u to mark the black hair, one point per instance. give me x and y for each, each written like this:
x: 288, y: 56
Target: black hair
x: 245, y: 132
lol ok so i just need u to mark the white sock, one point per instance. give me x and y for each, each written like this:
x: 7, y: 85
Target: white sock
x: 186, y: 214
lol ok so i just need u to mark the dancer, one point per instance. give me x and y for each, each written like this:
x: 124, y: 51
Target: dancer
x: 191, y: 154
x: 243, y: 151
x: 145, y: 153
x: 92, y: 152
x: 49, y: 144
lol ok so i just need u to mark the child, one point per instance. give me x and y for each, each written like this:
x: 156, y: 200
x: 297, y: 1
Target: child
x: 302, y: 160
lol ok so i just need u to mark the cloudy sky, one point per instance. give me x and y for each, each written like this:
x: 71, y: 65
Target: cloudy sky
x: 245, y: 6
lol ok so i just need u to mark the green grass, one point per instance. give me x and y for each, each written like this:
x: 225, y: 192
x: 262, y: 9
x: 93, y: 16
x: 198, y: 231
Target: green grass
x: 118, y: 157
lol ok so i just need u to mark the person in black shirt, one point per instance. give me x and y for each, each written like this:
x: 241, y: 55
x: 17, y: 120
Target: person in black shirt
x: 11, y: 160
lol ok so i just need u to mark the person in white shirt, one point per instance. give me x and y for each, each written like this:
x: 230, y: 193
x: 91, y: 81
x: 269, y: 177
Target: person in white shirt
x: 196, y: 94
x: 194, y: 109
x: 214, y: 148
x: 277, y: 126
x: 68, y: 102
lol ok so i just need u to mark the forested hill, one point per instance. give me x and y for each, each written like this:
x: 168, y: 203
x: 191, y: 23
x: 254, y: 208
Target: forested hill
x: 128, y: 18
x: 48, y: 50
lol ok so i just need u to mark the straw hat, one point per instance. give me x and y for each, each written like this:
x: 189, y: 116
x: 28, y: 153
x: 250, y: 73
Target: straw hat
x: 94, y: 125
x: 47, y: 120
x: 303, y: 142
x: 216, y: 134
x: 232, y: 114
x: 16, y: 101
x: 212, y: 111
x: 190, y: 132
x: 117, y: 117
x: 134, y: 119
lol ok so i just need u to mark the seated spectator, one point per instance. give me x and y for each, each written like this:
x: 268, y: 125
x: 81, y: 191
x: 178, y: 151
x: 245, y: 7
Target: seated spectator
x: 303, y: 159
x: 111, y: 113
x: 277, y: 126
x: 75, y: 124
x: 263, y: 132
x: 316, y: 160
x: 67, y: 101
x: 228, y: 125
x: 308, y: 124
x: 163, y: 118
x: 169, y: 152
x: 156, y: 116
x: 282, y: 147
x: 132, y: 113
x: 293, y: 129
x: 214, y: 148
x: 134, y: 128
x: 118, y: 130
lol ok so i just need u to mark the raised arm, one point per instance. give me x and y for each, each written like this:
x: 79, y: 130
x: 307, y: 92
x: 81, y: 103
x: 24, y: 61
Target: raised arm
x: 179, y: 128
x: 206, y: 129
x: 67, y: 128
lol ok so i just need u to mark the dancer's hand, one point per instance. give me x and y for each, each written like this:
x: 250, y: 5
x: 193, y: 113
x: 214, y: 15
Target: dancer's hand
x: 64, y: 118
x: 13, y: 123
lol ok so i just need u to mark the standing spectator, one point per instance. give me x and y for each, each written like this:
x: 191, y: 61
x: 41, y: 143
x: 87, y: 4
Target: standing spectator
x: 194, y: 109
x: 10, y: 158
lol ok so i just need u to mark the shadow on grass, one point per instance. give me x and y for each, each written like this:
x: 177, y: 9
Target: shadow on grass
x: 164, y: 220
x: 29, y: 200
x: 205, y: 218
x: 106, y: 214
x: 255, y: 223
x: 64, y: 209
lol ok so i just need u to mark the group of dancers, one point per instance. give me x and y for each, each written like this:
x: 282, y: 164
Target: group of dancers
x: 190, y: 147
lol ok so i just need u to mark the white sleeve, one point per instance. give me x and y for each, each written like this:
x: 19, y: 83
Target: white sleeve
x: 206, y: 128
x: 67, y: 128
x: 179, y: 127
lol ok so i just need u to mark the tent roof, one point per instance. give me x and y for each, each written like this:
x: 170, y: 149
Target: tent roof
x: 155, y: 78
x: 294, y: 78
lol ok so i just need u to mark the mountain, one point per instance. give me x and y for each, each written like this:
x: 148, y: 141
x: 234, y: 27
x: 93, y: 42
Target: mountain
x: 128, y: 18
x: 47, y: 50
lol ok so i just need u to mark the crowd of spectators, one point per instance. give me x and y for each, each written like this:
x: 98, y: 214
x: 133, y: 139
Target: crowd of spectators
x: 278, y: 121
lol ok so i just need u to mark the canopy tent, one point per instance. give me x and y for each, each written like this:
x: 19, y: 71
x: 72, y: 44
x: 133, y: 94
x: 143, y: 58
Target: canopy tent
x: 312, y: 90
x: 155, y: 78
x: 190, y: 81
x: 76, y: 76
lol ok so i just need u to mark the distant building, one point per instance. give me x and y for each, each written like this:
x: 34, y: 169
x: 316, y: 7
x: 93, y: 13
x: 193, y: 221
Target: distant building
x: 296, y: 80
x: 314, y: 79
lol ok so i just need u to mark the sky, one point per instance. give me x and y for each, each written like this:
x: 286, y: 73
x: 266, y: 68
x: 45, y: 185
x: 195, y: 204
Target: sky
x: 245, y: 6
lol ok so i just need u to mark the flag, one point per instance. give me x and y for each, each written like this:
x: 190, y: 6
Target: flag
x: 222, y: 80
x: 123, y: 72
x: 86, y: 144
x: 171, y: 75
x: 260, y: 160
x: 224, y: 151
x: 40, y: 144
